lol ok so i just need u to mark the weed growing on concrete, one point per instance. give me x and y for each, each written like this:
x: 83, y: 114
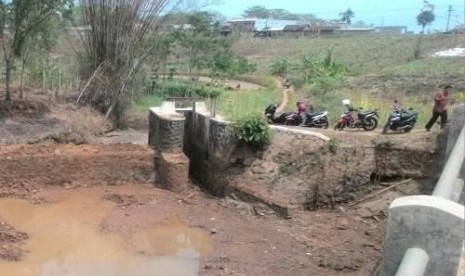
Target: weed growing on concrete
x: 333, y: 145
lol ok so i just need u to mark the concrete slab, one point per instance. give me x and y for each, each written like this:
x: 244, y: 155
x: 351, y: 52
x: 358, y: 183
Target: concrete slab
x: 433, y: 224
x: 300, y: 131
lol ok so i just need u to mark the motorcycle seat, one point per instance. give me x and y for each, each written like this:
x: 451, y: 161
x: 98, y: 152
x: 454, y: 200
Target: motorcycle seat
x: 313, y: 114
x: 366, y: 112
x: 408, y: 114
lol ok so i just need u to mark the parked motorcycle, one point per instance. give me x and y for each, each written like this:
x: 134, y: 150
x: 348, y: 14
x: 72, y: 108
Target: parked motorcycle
x: 401, y: 121
x: 316, y: 119
x: 287, y: 118
x: 365, y: 119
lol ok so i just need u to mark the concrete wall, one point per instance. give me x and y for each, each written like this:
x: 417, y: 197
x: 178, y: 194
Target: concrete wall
x: 166, y: 131
x: 166, y: 137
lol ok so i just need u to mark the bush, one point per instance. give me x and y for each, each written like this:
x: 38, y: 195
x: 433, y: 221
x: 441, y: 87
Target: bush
x: 280, y: 67
x: 254, y: 131
x: 333, y: 145
x: 208, y: 92
x: 322, y: 85
x: 184, y: 89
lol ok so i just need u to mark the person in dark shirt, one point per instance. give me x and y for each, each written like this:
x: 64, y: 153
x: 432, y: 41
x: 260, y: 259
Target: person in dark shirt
x: 441, y: 100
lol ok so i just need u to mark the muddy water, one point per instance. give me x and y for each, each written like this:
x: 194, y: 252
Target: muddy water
x: 65, y: 239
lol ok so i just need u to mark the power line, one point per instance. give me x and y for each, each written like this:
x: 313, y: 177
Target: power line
x: 448, y: 17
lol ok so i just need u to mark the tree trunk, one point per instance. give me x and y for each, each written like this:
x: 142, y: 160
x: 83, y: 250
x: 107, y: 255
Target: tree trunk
x: 23, y: 67
x: 21, y: 80
x: 8, y: 68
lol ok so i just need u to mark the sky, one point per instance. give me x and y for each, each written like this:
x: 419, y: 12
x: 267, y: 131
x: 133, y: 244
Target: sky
x: 376, y: 12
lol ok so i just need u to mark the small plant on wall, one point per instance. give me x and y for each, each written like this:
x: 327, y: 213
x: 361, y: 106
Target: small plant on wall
x: 333, y: 145
x: 254, y: 131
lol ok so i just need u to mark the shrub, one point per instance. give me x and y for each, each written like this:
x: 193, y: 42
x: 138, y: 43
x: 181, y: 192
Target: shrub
x: 322, y: 85
x: 208, y: 92
x: 280, y: 67
x: 333, y: 145
x: 254, y: 131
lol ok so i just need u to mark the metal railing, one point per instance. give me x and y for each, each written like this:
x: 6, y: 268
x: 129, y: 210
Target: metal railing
x: 449, y: 186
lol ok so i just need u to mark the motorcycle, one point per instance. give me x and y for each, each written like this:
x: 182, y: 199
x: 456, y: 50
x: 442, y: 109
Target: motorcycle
x: 365, y: 119
x: 401, y: 121
x: 287, y: 118
x: 316, y: 119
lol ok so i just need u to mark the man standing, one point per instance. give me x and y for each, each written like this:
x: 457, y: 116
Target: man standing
x: 440, y: 107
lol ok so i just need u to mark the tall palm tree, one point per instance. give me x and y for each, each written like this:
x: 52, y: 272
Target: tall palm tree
x: 346, y: 16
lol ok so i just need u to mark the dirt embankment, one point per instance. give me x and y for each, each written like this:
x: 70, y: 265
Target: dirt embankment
x: 303, y: 172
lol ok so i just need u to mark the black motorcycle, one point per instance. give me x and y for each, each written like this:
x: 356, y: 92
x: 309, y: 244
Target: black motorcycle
x: 316, y: 119
x: 365, y: 119
x: 287, y: 118
x: 401, y: 121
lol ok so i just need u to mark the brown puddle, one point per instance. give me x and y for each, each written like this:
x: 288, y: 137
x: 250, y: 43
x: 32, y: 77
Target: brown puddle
x: 65, y: 240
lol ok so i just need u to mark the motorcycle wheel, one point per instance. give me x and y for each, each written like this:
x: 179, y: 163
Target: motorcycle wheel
x: 370, y: 124
x: 385, y: 130
x: 409, y: 128
x: 324, y: 123
x: 338, y: 126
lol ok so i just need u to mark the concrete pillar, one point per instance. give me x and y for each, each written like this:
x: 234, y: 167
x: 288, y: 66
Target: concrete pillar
x: 457, y: 192
x: 433, y: 224
x: 413, y: 263
x: 172, y: 172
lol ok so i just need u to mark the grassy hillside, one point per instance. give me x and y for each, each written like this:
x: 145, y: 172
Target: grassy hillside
x: 382, y: 68
x: 362, y: 54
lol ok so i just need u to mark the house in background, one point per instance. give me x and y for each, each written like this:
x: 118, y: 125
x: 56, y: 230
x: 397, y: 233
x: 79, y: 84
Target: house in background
x: 260, y: 27
x: 351, y: 30
x: 322, y: 30
x: 391, y: 29
x: 242, y: 25
x: 297, y: 30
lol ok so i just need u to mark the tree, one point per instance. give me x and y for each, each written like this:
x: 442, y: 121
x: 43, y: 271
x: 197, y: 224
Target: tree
x: 120, y: 39
x: 346, y: 16
x: 227, y: 65
x: 40, y: 42
x: 426, y: 16
x: 20, y: 20
x: 278, y: 14
x: 257, y: 12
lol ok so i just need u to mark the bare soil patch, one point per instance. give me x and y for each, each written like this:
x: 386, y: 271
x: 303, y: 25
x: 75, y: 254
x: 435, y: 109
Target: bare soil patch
x: 10, y: 242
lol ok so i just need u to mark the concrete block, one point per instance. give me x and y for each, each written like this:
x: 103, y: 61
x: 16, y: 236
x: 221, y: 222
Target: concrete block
x: 433, y: 224
x: 168, y: 106
x: 172, y: 171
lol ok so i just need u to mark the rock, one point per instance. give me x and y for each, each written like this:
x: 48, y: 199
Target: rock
x: 213, y: 231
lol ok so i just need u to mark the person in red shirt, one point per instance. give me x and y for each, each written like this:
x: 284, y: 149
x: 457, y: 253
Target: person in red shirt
x: 440, y: 107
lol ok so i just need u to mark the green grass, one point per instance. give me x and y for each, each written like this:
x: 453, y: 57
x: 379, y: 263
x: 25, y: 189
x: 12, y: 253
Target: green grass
x: 235, y: 105
x: 144, y: 102
x: 362, y: 54
x: 365, y: 55
x: 429, y: 66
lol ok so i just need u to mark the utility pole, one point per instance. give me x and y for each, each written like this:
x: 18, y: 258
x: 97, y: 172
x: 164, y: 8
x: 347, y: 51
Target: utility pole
x: 448, y: 17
